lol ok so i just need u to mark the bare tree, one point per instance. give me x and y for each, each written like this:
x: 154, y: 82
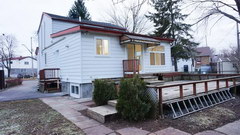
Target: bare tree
x: 129, y: 15
x: 7, y: 47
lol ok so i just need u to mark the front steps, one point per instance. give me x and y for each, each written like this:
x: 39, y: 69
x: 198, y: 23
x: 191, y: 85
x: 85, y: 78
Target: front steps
x: 152, y: 80
x: 103, y: 113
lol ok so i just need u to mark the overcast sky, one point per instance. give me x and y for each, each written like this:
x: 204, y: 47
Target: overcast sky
x: 21, y: 18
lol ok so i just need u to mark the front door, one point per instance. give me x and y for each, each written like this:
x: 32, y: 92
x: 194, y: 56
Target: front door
x: 135, y: 52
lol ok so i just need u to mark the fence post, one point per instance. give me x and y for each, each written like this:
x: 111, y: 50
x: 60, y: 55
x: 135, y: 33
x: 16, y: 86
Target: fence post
x: 234, y: 85
x: 217, y: 84
x: 181, y: 91
x: 206, y: 86
x: 160, y: 102
x: 194, y: 89
x: 227, y: 85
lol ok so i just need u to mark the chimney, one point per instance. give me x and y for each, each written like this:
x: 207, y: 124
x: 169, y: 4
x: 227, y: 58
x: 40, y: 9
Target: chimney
x: 79, y: 18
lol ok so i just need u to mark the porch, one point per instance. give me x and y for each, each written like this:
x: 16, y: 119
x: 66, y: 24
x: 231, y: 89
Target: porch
x: 49, y: 80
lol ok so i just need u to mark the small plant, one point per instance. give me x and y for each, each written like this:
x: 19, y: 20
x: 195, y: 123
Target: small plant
x: 133, y: 103
x: 104, y: 90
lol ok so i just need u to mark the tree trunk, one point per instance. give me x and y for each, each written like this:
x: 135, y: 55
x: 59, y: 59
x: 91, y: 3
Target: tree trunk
x: 175, y: 64
x: 9, y: 71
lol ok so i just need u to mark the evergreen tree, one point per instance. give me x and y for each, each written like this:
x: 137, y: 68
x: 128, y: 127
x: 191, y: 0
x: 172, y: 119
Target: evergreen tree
x: 169, y: 23
x: 79, y: 10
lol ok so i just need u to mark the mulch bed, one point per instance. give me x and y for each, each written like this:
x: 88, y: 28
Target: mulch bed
x: 33, y: 117
x: 207, y: 119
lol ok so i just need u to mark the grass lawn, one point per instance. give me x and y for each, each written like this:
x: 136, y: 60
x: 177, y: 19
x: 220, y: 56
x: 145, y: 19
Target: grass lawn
x: 33, y: 117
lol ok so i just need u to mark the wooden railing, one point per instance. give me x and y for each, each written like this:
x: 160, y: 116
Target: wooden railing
x: 131, y: 66
x: 49, y: 73
x: 194, y: 83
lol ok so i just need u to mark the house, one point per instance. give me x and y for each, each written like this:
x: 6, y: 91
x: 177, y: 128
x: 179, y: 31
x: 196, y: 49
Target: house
x: 203, y: 58
x: 83, y: 51
x: 186, y: 65
x: 22, y: 65
x: 227, y: 65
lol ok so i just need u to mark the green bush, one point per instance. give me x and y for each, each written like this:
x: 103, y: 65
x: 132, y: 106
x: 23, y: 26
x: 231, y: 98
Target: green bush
x: 133, y: 103
x: 104, y: 90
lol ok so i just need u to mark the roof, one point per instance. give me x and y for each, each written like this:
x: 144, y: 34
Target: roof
x: 203, y: 51
x: 125, y: 39
x: 83, y: 22
x: 21, y: 58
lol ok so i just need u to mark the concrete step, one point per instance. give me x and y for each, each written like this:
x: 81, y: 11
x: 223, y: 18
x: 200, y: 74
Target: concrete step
x: 102, y: 113
x: 112, y: 103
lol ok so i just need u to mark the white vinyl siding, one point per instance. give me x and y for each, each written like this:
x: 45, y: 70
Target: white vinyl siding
x: 109, y: 66
x: 59, y: 26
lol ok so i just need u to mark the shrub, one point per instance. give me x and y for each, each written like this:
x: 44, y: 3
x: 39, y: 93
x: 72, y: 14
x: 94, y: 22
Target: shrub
x: 132, y: 103
x: 104, y: 90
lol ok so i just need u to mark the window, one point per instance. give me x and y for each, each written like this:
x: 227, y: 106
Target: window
x: 26, y: 63
x: 157, y: 55
x: 75, y: 89
x: 102, y: 47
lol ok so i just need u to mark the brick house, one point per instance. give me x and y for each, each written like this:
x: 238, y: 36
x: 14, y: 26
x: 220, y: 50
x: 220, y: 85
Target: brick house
x: 203, y: 57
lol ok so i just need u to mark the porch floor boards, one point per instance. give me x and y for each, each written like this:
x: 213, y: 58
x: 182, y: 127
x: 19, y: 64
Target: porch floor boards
x: 172, y: 93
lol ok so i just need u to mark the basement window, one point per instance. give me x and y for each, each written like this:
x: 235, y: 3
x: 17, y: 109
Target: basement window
x: 75, y: 89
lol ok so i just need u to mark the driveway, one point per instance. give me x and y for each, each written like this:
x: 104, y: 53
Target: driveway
x: 27, y: 90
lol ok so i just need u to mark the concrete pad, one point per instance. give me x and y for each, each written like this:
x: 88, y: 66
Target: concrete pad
x: 171, y: 131
x: 98, y: 130
x: 209, y: 132
x: 87, y: 124
x: 102, y: 113
x: 75, y: 119
x: 132, y: 131
x: 231, y: 128
x: 78, y: 107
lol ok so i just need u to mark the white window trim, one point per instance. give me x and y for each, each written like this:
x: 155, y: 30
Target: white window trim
x: 95, y: 46
x: 160, y: 52
x: 74, y: 94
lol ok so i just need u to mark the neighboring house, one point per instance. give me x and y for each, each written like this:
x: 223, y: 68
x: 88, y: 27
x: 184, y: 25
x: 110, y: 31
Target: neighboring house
x: 203, y: 56
x: 22, y: 66
x: 186, y: 65
x: 227, y: 65
x: 87, y: 50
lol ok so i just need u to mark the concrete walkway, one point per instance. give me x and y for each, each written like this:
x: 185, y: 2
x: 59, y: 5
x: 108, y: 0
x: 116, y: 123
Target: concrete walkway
x: 70, y: 108
x: 27, y: 90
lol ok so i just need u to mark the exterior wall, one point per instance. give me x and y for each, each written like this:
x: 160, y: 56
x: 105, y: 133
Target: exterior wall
x: 21, y: 63
x: 188, y: 62
x: 147, y: 68
x: 226, y: 67
x: 65, y: 53
x: 59, y: 26
x: 204, y: 60
x: 94, y: 66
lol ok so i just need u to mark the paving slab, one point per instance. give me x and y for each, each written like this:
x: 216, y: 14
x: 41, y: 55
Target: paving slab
x: 231, y: 128
x: 87, y: 124
x: 209, y: 132
x: 171, y: 131
x: 112, y: 134
x: 75, y: 119
x: 98, y: 130
x: 78, y: 107
x: 132, y: 131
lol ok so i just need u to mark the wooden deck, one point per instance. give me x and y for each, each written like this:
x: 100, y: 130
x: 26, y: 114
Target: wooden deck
x: 171, y: 93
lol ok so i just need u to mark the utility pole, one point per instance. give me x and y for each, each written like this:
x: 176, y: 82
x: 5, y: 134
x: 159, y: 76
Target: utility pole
x: 32, y: 58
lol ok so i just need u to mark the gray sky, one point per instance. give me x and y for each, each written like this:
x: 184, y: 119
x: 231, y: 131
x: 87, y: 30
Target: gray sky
x: 21, y: 18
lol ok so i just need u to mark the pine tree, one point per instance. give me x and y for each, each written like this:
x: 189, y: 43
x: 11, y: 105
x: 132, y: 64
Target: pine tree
x: 169, y: 23
x: 79, y: 10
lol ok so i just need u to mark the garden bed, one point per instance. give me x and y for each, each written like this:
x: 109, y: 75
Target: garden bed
x: 206, y: 119
x: 33, y: 117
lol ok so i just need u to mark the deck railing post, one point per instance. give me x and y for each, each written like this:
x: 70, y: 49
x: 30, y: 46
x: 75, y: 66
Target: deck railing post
x: 206, y: 86
x: 160, y: 102
x: 194, y: 89
x: 227, y: 85
x: 181, y: 91
x: 217, y: 84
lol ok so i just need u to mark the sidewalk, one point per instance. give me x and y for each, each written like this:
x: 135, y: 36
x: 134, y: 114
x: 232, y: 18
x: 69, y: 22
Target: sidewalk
x: 70, y: 108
